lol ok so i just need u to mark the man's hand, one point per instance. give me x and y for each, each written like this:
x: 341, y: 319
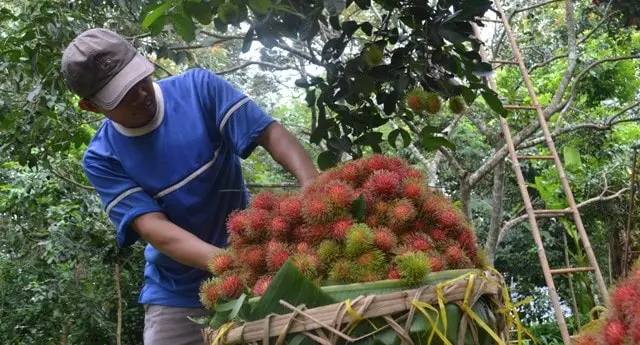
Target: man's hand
x: 174, y: 241
x: 287, y: 151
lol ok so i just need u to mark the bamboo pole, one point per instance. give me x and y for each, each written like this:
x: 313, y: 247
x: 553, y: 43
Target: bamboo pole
x: 574, y: 302
x: 627, y: 240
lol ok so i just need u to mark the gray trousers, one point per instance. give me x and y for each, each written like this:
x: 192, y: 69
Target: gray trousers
x: 170, y: 326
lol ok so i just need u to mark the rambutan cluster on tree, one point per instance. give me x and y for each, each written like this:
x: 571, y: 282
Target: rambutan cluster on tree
x: 366, y: 220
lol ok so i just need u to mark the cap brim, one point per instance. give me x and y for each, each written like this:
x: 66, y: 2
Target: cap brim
x: 111, y: 94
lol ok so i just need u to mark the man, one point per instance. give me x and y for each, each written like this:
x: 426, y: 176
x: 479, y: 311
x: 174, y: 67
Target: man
x: 159, y: 162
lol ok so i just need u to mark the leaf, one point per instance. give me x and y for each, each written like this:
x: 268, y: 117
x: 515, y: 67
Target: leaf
x: 572, y: 157
x: 349, y: 27
x: 363, y: 4
x: 342, y: 144
x: 200, y: 11
x: 327, y: 160
x: 359, y: 209
x: 184, y: 26
x: 311, y: 97
x: 260, y: 6
x: 434, y: 143
x: 248, y: 40
x: 393, y: 137
x: 335, y: 7
x: 309, y: 28
x: 305, y: 292
x: 367, y: 28
x: 301, y: 82
x: 494, y: 102
x: 152, y: 16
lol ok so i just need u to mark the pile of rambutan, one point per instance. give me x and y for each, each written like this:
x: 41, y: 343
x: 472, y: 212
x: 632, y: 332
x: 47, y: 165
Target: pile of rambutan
x: 621, y: 323
x: 365, y: 220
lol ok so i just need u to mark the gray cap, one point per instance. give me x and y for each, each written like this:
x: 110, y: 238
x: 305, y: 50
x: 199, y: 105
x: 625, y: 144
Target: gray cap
x: 102, y: 66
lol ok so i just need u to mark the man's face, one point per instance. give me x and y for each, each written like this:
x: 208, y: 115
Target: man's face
x: 137, y: 107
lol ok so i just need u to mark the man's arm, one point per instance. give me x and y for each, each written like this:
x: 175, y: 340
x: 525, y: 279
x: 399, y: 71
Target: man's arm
x: 174, y: 241
x: 287, y: 151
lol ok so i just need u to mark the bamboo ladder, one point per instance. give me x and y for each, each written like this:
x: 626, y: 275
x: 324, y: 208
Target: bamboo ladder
x: 531, y: 213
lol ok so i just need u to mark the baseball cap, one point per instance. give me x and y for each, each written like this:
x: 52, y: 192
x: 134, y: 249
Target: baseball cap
x: 102, y: 66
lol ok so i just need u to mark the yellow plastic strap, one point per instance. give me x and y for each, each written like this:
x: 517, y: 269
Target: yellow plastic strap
x: 434, y: 324
x: 442, y: 300
x: 355, y: 316
x: 595, y: 309
x: 221, y: 333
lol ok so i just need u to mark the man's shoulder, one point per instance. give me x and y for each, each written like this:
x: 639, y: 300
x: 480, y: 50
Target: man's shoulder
x: 99, y: 147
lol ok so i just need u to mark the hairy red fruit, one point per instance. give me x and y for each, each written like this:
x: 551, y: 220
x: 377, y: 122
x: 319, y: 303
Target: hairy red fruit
x: 412, y: 173
x: 402, y: 212
x: 230, y: 286
x: 340, y: 194
x: 467, y: 240
x: 340, y: 228
x: 264, y: 200
x: 276, y: 258
x: 586, y: 340
x: 416, y: 241
x: 291, y: 207
x: 317, y: 233
x: 624, y: 297
x: 436, y: 264
x: 422, y: 225
x: 381, y: 207
x: 315, y: 210
x: 635, y: 331
x: 253, y: 257
x: 209, y: 293
x: 279, y: 227
x: 393, y: 273
x: 303, y: 247
x: 261, y: 285
x: 384, y: 183
x: 454, y: 255
x: 373, y: 221
x: 256, y: 225
x: 438, y: 235
x: 237, y: 242
x: 415, y: 103
x: 412, y: 190
x: 431, y: 206
x: 236, y: 222
x: 221, y: 263
x: 376, y: 162
x: 384, y: 239
x: 448, y: 219
x: 352, y: 173
x: 614, y: 332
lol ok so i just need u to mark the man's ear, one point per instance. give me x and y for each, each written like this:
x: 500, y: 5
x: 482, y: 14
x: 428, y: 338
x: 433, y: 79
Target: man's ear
x: 88, y: 106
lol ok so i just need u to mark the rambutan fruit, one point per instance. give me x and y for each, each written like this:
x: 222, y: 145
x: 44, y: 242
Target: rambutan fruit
x: 586, y: 339
x: 291, y: 208
x: 635, y: 331
x: 414, y: 103
x: 327, y: 251
x: 457, y: 104
x: 436, y: 263
x: 438, y: 235
x: 384, y: 183
x: 614, y: 332
x: 381, y: 207
x: 371, y: 260
x: 412, y: 173
x: 256, y: 225
x: 384, y: 239
x: 264, y: 200
x: 253, y: 256
x: 340, y: 194
x: 393, y: 273
x: 374, y: 221
x: 317, y: 233
x: 432, y: 103
x: 230, y: 286
x: 236, y: 222
x: 359, y: 239
x: 344, y: 271
x: 209, y: 293
x: 422, y: 225
x: 431, y: 205
x: 376, y: 162
x: 373, y: 55
x: 260, y: 287
x: 456, y: 258
x: 417, y: 241
x: 371, y: 276
x: 276, y: 257
x: 401, y: 213
x: 340, y: 227
x: 448, y: 219
x: 413, y: 267
x: 624, y: 297
x: 413, y: 190
x: 303, y: 247
x: 307, y: 264
x: 248, y: 276
x: 279, y: 227
x: 316, y: 210
x: 237, y: 242
x: 353, y: 173
x: 221, y: 263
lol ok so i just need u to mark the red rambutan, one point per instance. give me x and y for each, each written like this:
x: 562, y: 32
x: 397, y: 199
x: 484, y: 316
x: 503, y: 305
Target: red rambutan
x: 340, y: 194
x: 438, y: 235
x: 264, y: 200
x: 307, y: 264
x: 340, y: 228
x: 456, y: 258
x: 384, y: 239
x: 376, y: 162
x: 291, y: 208
x: 257, y: 221
x: 448, y: 219
x: 236, y: 222
x: 393, y: 273
x: 276, y: 258
x: 635, y: 331
x: 303, y: 247
x: 209, y: 293
x: 260, y: 287
x: 221, y: 263
x: 416, y: 241
x: 422, y: 225
x: 230, y: 286
x: 316, y: 210
x: 384, y: 183
x: 352, y: 173
x: 402, y: 212
x: 466, y: 239
x: 253, y: 257
x: 381, y: 207
x: 412, y: 190
x: 436, y: 264
x: 373, y: 221
x: 279, y: 227
x: 624, y: 297
x: 412, y: 173
x: 237, y: 242
x: 614, y: 332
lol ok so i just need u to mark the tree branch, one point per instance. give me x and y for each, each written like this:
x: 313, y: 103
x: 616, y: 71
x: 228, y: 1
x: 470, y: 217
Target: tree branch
x: 163, y: 69
x: 249, y: 63
x: 515, y: 221
x: 62, y: 177
x: 554, y: 105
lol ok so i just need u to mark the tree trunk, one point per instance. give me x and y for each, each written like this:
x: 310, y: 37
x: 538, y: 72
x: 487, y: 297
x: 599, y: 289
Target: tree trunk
x: 490, y: 246
x: 65, y: 332
x: 465, y: 198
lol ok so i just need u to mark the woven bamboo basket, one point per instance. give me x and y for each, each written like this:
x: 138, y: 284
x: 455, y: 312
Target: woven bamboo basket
x: 332, y: 324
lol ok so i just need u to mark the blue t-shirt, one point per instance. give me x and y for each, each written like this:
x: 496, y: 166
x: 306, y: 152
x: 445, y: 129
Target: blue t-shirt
x: 185, y: 163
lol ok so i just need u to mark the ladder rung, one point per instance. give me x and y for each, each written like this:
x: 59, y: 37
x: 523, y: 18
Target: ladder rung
x: 535, y: 157
x: 491, y: 20
x: 505, y: 62
x: 519, y: 107
x: 571, y: 270
x: 553, y: 212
